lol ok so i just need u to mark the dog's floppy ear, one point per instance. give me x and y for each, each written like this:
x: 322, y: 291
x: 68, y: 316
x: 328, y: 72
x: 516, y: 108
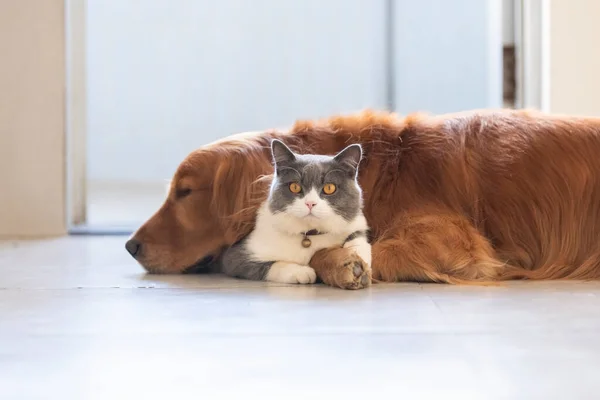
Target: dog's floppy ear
x: 237, y: 191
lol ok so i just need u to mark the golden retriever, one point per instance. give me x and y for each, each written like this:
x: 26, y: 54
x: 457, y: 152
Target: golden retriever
x: 471, y: 197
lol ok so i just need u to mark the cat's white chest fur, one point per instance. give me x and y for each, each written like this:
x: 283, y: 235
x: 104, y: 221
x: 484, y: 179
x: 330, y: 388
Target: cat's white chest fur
x: 279, y: 237
x: 275, y: 245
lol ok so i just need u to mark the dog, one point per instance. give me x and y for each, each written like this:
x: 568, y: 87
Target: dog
x: 478, y: 196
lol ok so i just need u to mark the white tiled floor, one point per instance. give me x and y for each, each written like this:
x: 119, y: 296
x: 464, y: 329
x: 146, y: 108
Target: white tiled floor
x: 80, y: 320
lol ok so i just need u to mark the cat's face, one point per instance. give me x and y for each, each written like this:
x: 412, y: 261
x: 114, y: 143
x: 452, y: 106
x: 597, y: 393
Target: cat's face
x: 314, y: 187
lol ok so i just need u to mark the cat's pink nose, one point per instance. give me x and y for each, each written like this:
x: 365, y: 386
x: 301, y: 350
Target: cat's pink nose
x: 310, y: 205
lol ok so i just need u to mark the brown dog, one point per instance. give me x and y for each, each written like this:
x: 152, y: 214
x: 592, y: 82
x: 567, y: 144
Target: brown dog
x: 472, y: 197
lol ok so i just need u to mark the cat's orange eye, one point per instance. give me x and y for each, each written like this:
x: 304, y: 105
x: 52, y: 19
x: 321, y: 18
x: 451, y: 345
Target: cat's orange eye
x: 329, y: 188
x: 295, y: 188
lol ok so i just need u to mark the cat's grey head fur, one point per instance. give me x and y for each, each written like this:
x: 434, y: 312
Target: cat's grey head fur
x: 312, y: 172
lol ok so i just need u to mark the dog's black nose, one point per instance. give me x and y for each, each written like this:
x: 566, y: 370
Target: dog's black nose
x: 134, y: 247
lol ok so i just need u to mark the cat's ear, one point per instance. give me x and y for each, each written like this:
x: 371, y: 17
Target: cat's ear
x: 350, y: 157
x: 281, y: 153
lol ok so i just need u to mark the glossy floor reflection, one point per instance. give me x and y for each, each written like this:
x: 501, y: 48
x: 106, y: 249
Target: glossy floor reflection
x: 80, y: 320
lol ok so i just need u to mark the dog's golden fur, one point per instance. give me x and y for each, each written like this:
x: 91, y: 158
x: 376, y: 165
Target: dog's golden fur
x: 470, y: 197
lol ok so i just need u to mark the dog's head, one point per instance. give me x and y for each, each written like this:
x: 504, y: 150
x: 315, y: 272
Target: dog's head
x: 211, y: 203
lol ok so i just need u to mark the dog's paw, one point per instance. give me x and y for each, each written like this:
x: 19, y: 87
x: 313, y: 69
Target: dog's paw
x: 355, y: 273
x: 342, y: 267
x: 283, y: 272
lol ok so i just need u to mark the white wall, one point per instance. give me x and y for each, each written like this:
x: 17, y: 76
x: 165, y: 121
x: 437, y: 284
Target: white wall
x: 448, y: 55
x: 574, y: 57
x: 165, y: 77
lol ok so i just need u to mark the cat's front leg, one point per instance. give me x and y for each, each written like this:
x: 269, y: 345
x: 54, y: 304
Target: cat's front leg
x: 361, y: 246
x: 284, y: 272
x: 237, y: 262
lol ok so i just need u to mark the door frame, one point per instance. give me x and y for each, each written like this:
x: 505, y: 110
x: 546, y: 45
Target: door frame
x: 76, y: 112
x: 532, y: 45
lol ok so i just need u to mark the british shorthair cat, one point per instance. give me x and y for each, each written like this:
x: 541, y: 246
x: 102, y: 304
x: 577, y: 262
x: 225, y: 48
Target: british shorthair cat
x: 314, y: 202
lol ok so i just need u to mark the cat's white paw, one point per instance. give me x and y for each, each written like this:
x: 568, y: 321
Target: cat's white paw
x: 362, y: 248
x: 283, y: 272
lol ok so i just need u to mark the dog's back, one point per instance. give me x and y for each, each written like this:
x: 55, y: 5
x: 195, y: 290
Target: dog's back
x: 529, y: 183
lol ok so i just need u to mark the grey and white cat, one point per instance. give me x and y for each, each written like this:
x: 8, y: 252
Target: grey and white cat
x: 314, y: 202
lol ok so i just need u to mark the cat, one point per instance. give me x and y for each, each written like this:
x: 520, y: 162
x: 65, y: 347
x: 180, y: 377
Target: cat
x: 314, y: 202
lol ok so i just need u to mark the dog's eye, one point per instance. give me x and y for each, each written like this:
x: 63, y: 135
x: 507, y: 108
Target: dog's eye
x: 181, y: 193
